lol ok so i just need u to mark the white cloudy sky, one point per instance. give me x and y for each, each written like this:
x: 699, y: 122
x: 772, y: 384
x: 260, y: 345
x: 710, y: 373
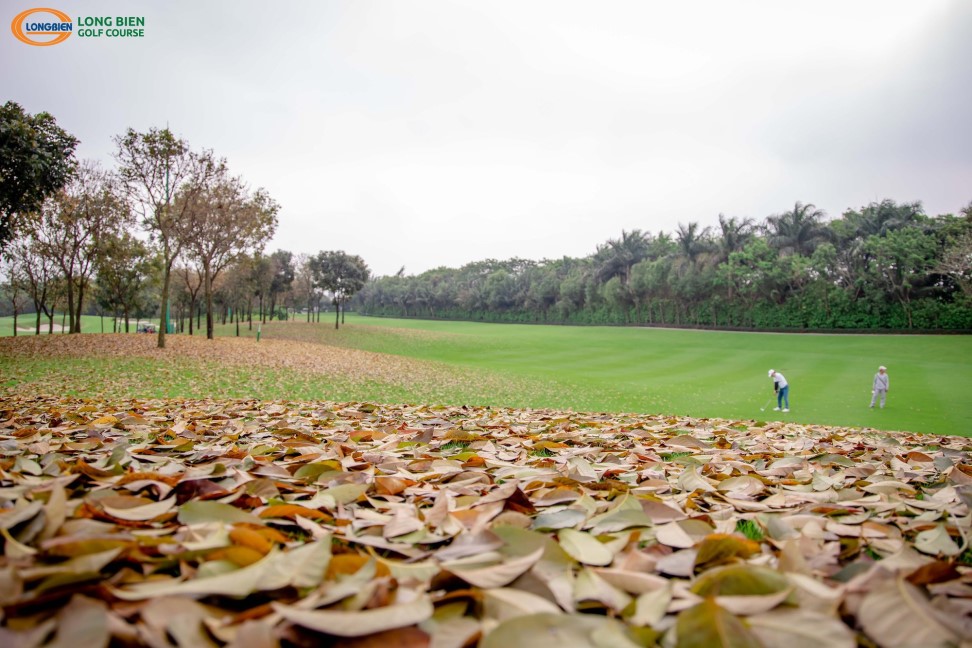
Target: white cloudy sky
x: 437, y: 132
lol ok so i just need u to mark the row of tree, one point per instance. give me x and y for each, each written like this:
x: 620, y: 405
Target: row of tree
x: 169, y: 226
x: 281, y: 285
x: 885, y: 266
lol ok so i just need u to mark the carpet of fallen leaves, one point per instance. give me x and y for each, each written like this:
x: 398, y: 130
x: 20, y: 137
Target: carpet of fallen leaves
x: 320, y: 369
x: 282, y: 354
x: 256, y: 524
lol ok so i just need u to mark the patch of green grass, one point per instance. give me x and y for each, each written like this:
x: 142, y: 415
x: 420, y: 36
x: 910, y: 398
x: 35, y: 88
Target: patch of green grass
x: 672, y: 456
x: 455, y: 446
x: 750, y: 529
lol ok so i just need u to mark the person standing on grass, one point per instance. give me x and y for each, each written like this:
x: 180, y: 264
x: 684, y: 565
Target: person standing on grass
x: 782, y: 389
x: 880, y: 386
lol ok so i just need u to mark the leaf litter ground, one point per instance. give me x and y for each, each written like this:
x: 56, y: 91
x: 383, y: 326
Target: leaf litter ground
x: 251, y: 523
x: 119, y: 365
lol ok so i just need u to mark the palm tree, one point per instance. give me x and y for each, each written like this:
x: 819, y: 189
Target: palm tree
x: 798, y: 231
x: 617, y: 256
x: 734, y: 235
x: 692, y: 243
x: 887, y: 216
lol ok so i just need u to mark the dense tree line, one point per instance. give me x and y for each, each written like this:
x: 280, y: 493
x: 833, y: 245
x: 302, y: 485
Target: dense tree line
x: 884, y: 266
x: 170, y: 232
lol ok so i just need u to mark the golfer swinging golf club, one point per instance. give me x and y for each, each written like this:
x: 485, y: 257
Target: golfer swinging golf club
x: 782, y: 389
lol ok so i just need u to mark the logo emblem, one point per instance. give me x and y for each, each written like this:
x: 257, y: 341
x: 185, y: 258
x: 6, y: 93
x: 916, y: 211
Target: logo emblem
x: 36, y: 26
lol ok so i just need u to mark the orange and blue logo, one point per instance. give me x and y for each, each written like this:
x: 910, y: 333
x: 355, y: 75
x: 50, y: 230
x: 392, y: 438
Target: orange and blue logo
x: 42, y: 27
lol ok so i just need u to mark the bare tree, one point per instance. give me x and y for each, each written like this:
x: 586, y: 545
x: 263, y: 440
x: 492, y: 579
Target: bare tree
x: 237, y: 288
x: 154, y: 167
x: 303, y: 284
x: 85, y: 212
x: 228, y: 221
x: 125, y: 266
x: 39, y: 272
x: 192, y: 280
x: 282, y: 262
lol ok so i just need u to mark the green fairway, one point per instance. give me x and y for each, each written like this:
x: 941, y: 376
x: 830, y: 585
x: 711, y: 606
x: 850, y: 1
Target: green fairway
x: 693, y: 373
x: 696, y: 373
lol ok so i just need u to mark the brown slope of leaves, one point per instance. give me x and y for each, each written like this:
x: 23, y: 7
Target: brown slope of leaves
x: 246, y: 523
x: 282, y: 354
x: 304, y: 360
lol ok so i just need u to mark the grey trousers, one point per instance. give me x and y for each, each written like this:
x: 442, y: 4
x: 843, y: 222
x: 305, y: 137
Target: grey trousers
x: 883, y: 393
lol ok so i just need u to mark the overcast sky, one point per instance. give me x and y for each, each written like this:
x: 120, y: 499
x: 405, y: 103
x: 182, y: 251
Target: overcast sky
x: 422, y: 133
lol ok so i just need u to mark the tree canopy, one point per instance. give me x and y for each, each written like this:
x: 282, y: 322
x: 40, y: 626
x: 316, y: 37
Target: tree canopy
x: 341, y: 274
x: 36, y: 160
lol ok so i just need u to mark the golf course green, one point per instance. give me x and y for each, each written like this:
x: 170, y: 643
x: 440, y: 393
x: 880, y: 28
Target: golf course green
x: 706, y: 373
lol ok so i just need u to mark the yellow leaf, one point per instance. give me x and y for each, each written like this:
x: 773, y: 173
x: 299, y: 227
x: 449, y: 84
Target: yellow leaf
x: 246, y: 537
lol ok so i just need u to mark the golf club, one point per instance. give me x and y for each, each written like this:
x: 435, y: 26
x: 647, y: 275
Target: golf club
x: 763, y: 408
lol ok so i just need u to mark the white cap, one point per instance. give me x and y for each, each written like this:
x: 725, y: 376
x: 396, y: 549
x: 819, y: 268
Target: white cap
x: 771, y: 372
x: 882, y: 368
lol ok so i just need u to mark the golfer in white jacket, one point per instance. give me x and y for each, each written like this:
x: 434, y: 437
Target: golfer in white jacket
x: 782, y: 389
x: 880, y: 387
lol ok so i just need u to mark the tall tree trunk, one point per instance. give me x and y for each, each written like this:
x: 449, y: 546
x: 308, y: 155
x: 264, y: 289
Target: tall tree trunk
x: 207, y: 277
x: 77, y: 319
x: 37, y: 327
x: 70, y: 306
x: 192, y: 314
x: 337, y: 313
x: 163, y: 323
x: 344, y: 307
x: 15, y: 321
